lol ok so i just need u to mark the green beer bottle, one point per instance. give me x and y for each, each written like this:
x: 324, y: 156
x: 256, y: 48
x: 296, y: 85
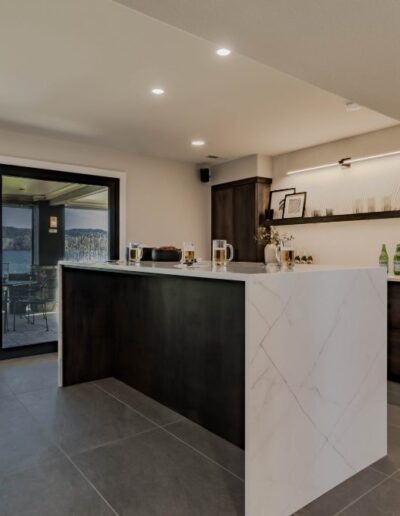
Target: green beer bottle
x: 384, y: 258
x: 396, y: 261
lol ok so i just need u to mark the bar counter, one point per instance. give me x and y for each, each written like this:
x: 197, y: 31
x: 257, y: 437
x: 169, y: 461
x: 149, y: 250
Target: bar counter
x: 289, y: 366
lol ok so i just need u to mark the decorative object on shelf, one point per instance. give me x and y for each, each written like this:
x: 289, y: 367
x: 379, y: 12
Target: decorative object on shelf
x: 269, y: 214
x: 371, y: 205
x: 310, y: 260
x: 303, y: 260
x: 329, y: 212
x: 297, y: 259
x: 384, y: 258
x: 357, y: 206
x: 315, y: 213
x: 387, y: 203
x: 277, y: 201
x: 295, y: 205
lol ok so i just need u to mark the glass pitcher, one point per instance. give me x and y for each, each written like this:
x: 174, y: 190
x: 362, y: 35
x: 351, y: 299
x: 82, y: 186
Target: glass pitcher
x: 135, y: 252
x: 285, y: 254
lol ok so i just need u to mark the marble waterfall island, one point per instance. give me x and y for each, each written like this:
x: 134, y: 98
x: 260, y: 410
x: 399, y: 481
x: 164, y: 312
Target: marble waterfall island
x: 290, y: 366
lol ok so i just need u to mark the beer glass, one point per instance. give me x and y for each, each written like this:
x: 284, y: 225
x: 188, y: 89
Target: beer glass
x: 135, y: 252
x: 285, y: 254
x: 219, y: 252
x: 188, y: 253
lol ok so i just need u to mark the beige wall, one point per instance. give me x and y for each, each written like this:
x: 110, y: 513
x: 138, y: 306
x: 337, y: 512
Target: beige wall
x: 348, y: 243
x: 162, y: 202
x: 249, y: 166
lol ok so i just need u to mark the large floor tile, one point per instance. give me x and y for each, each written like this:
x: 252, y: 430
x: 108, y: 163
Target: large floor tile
x: 22, y: 442
x: 337, y: 499
x: 154, y: 474
x: 5, y: 390
x: 219, y: 450
x: 384, y: 500
x: 52, y: 489
x: 394, y: 393
x: 394, y: 415
x: 30, y: 375
x: 391, y: 462
x: 83, y: 416
x: 150, y: 408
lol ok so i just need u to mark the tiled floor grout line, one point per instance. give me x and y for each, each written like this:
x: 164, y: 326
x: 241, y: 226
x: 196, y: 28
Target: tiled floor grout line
x: 56, y: 444
x: 366, y: 493
x: 173, y: 435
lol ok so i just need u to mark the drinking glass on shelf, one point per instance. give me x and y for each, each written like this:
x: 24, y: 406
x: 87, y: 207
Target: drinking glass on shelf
x: 219, y: 252
x: 135, y: 252
x: 387, y: 203
x: 371, y: 204
x: 357, y: 206
x: 188, y: 253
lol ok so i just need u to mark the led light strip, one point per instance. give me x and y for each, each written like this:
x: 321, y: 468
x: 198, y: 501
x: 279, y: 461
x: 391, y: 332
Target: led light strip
x: 344, y: 162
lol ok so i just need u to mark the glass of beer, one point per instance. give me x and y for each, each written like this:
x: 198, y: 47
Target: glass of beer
x: 188, y: 253
x: 285, y: 254
x: 219, y: 252
x: 135, y: 252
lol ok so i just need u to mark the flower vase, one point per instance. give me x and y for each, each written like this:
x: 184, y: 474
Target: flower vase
x: 270, y: 254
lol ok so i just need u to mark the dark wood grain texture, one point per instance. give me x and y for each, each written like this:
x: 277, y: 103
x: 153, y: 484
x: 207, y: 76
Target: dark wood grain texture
x: 238, y: 208
x: 334, y: 218
x: 178, y: 340
x: 394, y: 331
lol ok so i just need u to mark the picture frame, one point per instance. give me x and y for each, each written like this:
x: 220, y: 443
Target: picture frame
x: 277, y: 202
x: 295, y: 205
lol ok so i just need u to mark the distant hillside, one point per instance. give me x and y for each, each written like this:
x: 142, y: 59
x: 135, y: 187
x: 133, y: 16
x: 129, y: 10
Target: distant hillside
x: 20, y: 239
x: 85, y: 232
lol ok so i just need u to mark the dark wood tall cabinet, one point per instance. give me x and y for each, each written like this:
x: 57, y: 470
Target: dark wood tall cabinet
x: 394, y: 331
x: 238, y: 208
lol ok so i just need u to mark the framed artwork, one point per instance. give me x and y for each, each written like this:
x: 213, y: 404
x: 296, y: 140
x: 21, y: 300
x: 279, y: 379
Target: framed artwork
x: 277, y: 201
x: 295, y: 205
x: 53, y: 222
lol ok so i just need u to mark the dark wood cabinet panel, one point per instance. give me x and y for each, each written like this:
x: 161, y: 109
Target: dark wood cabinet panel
x: 222, y: 210
x: 238, y: 208
x: 178, y: 340
x: 394, y: 331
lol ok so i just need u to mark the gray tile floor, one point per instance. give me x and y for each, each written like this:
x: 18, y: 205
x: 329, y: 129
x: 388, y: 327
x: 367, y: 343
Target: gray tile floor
x: 26, y: 334
x: 104, y: 448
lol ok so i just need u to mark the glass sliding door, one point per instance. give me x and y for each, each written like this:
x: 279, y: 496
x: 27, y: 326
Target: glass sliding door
x: 44, y: 221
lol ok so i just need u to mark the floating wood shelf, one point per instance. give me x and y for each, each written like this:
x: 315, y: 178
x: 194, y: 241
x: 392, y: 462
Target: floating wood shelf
x: 334, y: 218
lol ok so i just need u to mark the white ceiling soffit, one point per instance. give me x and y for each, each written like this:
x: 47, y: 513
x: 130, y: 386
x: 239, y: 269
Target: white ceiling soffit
x: 84, y: 71
x: 348, y: 47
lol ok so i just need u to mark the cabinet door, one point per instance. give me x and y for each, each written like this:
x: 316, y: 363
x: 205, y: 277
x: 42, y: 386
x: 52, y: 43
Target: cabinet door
x: 222, y: 213
x: 394, y: 331
x: 245, y: 223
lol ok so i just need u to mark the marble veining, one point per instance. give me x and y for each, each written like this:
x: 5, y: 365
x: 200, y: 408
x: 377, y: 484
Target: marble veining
x: 315, y: 384
x: 315, y: 376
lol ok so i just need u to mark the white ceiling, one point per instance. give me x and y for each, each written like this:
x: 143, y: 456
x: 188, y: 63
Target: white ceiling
x: 84, y: 69
x: 69, y: 194
x: 348, y: 47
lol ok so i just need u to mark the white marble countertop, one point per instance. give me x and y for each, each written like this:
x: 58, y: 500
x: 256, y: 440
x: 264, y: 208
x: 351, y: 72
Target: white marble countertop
x: 238, y: 271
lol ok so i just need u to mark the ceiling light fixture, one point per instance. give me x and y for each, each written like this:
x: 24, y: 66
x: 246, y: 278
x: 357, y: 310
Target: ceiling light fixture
x: 344, y: 162
x: 351, y: 106
x: 223, y: 52
x: 157, y: 91
x: 198, y: 143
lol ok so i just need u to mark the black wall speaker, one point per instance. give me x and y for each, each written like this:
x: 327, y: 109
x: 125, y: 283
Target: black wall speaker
x: 205, y: 175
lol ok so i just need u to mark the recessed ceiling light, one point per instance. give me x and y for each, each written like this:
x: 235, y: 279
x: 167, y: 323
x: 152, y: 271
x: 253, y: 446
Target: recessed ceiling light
x: 157, y: 91
x: 223, y: 52
x: 198, y: 143
x: 352, y: 106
